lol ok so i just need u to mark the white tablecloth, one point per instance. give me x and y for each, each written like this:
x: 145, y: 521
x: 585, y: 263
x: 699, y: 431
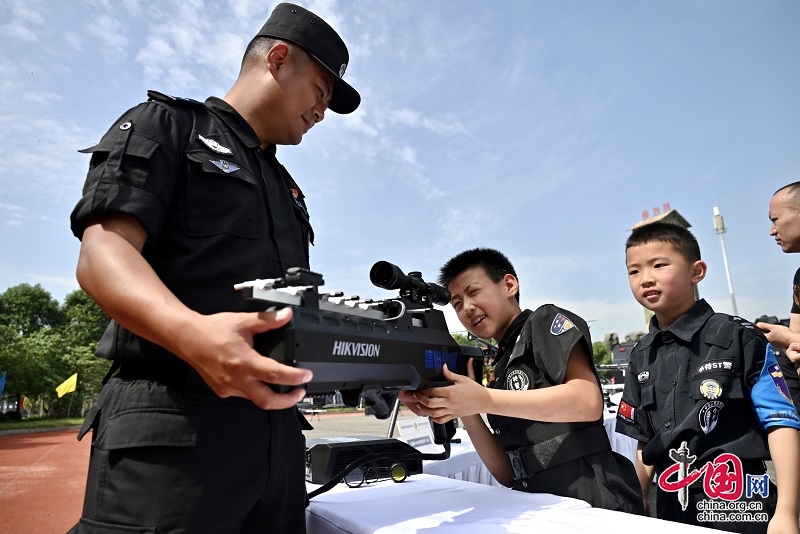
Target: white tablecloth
x: 423, y: 503
x: 463, y: 464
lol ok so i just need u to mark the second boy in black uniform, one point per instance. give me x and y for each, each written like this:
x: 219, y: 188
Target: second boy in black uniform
x: 705, y: 397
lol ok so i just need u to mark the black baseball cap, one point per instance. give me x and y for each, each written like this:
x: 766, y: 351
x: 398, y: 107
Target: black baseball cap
x: 300, y: 26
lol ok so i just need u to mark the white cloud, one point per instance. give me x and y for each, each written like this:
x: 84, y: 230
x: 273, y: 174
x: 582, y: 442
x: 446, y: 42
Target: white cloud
x: 43, y: 98
x: 16, y: 214
x: 407, y: 155
x: 74, y: 41
x: 25, y: 21
x: 111, y: 33
x: 26, y: 171
x: 133, y: 7
x: 356, y: 122
x: 459, y: 225
x: 12, y: 208
x: 446, y: 124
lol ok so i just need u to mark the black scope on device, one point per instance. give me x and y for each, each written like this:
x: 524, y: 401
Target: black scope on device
x: 389, y: 276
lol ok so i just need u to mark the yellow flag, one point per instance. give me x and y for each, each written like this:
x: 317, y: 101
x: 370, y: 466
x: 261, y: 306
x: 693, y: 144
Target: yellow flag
x: 67, y: 386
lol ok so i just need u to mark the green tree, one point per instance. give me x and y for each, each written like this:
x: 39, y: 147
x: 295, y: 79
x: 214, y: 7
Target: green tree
x: 602, y: 354
x: 28, y: 309
x: 463, y: 339
x: 42, y: 344
x: 85, y: 324
x: 31, y: 317
x: 84, y: 319
x: 44, y: 351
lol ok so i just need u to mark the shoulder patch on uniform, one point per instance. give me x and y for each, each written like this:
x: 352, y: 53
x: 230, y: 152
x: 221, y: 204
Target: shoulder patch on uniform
x: 776, y: 374
x: 626, y: 412
x: 743, y: 322
x: 162, y: 97
x: 560, y: 324
x: 644, y: 376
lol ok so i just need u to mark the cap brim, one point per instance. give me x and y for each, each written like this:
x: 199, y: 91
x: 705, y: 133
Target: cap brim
x: 345, y: 99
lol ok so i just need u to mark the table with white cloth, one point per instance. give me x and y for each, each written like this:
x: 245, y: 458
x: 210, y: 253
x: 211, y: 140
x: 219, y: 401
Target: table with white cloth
x: 465, y: 464
x: 424, y: 503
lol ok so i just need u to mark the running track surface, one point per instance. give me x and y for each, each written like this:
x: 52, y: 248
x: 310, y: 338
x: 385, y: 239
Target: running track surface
x: 42, y: 480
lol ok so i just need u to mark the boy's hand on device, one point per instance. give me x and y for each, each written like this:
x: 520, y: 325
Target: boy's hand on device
x: 408, y: 398
x: 464, y: 397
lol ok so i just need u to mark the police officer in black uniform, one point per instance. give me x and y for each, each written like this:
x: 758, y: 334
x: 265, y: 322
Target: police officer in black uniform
x: 183, y: 200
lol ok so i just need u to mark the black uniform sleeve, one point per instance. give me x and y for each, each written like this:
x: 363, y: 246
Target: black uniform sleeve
x: 133, y: 169
x: 553, y: 333
x: 796, y: 292
x: 637, y: 397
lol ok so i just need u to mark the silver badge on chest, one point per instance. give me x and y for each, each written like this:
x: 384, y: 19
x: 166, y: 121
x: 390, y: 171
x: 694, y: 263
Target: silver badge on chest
x: 225, y: 166
x: 709, y: 415
x: 216, y: 147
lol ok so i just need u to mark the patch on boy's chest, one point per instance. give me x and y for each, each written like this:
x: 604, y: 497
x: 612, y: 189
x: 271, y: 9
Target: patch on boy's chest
x: 722, y: 365
x: 517, y: 380
x: 710, y: 389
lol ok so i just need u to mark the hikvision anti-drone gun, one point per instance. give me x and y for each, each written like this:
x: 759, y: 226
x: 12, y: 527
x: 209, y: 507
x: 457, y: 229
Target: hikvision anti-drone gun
x: 351, y: 344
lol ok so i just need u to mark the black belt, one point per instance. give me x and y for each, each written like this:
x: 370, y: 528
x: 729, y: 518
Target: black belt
x: 527, y: 461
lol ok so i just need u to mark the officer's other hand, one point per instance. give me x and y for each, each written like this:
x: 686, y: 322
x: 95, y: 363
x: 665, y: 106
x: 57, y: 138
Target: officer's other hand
x: 793, y: 352
x: 780, y: 336
x: 220, y: 348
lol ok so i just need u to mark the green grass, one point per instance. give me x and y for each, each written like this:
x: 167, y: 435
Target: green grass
x: 40, y: 423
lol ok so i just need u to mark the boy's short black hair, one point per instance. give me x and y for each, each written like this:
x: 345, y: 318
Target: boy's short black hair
x: 677, y: 236
x: 494, y: 263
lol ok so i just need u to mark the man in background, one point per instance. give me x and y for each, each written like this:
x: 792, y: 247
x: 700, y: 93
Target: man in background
x: 784, y: 214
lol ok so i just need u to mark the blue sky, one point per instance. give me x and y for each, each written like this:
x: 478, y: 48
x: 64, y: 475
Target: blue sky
x: 541, y: 128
